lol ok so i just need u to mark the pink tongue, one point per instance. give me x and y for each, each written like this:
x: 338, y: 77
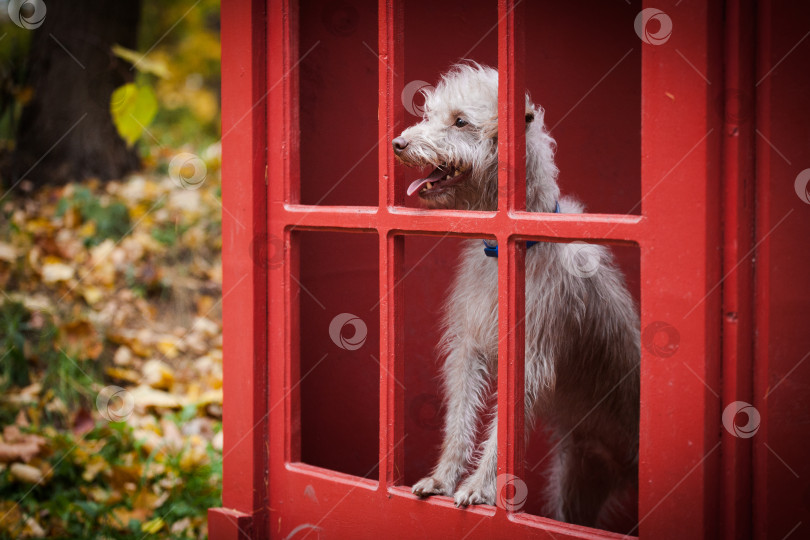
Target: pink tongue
x: 437, y: 174
x: 416, y: 184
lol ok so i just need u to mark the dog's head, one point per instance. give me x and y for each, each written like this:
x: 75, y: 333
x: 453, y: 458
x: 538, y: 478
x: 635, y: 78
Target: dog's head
x: 457, y: 144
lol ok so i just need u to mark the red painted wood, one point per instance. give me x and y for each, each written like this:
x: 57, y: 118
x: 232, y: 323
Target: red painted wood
x: 284, y: 442
x: 680, y: 428
x: 391, y: 72
x: 511, y: 268
x: 736, y: 104
x: 392, y: 369
x: 763, y: 272
x: 244, y: 271
x: 399, y: 515
x: 227, y: 524
x: 392, y: 252
x: 617, y: 229
x: 781, y: 484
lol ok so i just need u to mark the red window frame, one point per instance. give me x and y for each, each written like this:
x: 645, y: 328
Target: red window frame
x: 265, y: 484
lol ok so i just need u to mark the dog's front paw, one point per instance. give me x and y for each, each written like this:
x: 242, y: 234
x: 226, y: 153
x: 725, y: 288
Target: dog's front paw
x: 470, y: 494
x: 431, y: 486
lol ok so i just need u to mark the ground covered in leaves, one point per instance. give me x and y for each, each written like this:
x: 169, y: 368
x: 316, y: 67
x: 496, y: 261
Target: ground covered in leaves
x: 111, y: 356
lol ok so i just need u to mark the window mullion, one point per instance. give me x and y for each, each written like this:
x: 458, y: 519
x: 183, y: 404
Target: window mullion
x: 511, y: 292
x: 392, y: 249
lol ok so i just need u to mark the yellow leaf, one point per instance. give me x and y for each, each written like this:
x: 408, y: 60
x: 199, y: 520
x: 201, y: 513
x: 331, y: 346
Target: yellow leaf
x: 145, y: 499
x: 121, y: 516
x: 123, y: 356
x: 148, y: 439
x: 193, y: 458
x: 122, y: 374
x: 92, y: 295
x: 181, y: 526
x: 8, y: 252
x: 205, y: 326
x: 141, y: 62
x: 133, y: 107
x: 204, y: 105
x: 153, y: 526
x: 33, y: 529
x: 88, y: 229
x: 39, y: 225
x: 93, y: 467
x: 218, y: 441
x: 124, y: 474
x: 26, y: 473
x: 10, y: 517
x: 53, y: 272
x: 168, y: 347
x: 157, y: 374
x: 212, y: 396
x: 193, y: 391
x: 98, y: 494
x: 102, y: 267
x: 80, y: 339
x: 146, y: 397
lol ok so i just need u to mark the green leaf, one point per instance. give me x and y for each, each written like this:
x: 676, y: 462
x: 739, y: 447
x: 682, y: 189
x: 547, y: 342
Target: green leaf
x: 90, y: 508
x: 133, y: 107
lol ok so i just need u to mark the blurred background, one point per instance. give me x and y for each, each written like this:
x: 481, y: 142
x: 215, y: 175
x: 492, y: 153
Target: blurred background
x: 110, y: 268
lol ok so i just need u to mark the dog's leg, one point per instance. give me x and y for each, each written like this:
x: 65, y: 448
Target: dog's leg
x: 465, y: 381
x: 582, y: 479
x: 480, y: 486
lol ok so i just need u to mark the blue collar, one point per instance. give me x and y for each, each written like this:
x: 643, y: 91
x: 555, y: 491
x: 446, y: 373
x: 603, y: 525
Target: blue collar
x: 492, y: 251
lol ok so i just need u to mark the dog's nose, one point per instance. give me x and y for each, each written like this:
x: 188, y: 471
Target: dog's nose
x: 400, y: 144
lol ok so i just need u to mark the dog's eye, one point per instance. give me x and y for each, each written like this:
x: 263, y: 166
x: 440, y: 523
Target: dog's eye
x: 460, y: 123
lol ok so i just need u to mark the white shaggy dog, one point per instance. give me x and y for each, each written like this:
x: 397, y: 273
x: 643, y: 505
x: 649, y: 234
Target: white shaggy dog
x: 582, y: 336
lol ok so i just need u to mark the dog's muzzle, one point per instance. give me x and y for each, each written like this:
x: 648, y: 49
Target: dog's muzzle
x: 400, y: 144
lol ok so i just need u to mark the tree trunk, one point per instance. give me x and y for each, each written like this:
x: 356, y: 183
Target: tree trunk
x: 66, y: 130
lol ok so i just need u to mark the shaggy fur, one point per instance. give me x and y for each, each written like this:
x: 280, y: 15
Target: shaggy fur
x: 582, y: 337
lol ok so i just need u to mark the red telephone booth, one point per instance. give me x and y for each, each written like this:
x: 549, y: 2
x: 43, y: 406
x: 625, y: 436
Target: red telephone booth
x: 685, y: 130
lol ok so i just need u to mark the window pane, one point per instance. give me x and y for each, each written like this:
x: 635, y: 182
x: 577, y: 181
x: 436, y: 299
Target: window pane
x: 592, y: 97
x: 584, y: 440
x: 338, y: 102
x: 340, y: 374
